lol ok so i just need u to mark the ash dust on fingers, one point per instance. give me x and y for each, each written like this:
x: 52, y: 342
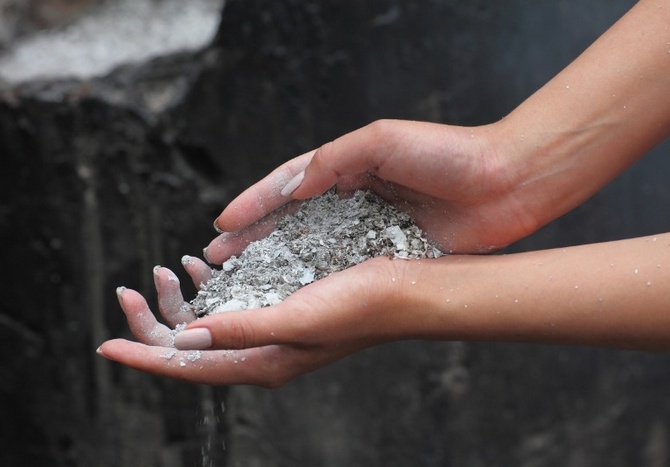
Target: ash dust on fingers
x: 208, y: 367
x: 230, y: 244
x: 141, y: 320
x: 219, y: 367
x: 197, y: 270
x: 170, y: 299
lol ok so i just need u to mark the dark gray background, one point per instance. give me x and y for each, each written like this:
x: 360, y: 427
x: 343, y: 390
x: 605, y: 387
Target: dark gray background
x: 104, y: 178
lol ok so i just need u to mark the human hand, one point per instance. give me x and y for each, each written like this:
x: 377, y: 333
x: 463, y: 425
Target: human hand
x: 319, y: 324
x: 452, y: 180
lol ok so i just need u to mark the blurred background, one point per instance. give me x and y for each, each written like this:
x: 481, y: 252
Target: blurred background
x: 125, y: 128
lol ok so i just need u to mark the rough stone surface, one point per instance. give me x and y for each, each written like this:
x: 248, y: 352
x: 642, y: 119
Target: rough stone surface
x: 105, y: 36
x: 23, y: 18
x: 103, y: 178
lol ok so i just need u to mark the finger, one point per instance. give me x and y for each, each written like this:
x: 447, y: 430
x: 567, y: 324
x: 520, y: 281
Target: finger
x: 242, y: 329
x: 360, y: 152
x: 262, y: 198
x: 170, y: 299
x: 233, y: 243
x: 230, y: 244
x: 199, y: 271
x: 268, y: 367
x: 141, y: 320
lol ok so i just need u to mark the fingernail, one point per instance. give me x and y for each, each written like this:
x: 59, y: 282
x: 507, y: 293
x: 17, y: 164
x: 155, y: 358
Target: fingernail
x: 119, y: 293
x: 204, y: 254
x: 186, y: 259
x: 101, y: 353
x: 293, y: 184
x: 193, y: 339
x: 156, y: 268
x: 217, y: 228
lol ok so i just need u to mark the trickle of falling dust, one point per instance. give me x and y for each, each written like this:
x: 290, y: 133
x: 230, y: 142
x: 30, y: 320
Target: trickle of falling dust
x: 210, y: 415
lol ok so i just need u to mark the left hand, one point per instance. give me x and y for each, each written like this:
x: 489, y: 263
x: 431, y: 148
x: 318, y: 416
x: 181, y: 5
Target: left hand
x: 321, y: 323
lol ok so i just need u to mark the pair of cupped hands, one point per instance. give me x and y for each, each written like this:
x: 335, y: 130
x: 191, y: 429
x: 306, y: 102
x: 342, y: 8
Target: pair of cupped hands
x: 457, y: 183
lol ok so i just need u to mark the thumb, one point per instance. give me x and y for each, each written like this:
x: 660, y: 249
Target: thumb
x: 241, y: 329
x: 367, y: 150
x: 359, y: 152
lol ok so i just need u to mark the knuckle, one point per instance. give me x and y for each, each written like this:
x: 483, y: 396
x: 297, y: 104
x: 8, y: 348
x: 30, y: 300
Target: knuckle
x: 279, y: 367
x: 240, y: 334
x: 381, y: 130
x: 323, y: 154
x: 325, y: 165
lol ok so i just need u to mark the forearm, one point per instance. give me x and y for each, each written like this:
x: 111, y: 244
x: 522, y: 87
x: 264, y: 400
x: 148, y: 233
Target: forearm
x: 607, y: 294
x: 595, y: 118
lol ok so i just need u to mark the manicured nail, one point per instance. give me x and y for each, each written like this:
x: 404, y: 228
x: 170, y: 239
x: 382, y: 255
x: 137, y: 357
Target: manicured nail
x: 216, y: 227
x: 293, y: 184
x: 193, y: 339
x: 119, y: 292
x: 119, y: 295
x: 204, y: 254
x: 101, y: 353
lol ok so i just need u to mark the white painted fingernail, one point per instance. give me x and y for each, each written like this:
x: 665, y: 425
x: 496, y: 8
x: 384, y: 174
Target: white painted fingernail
x: 186, y: 259
x: 293, y: 184
x: 193, y: 339
x: 156, y: 268
x: 216, y: 227
x: 119, y: 294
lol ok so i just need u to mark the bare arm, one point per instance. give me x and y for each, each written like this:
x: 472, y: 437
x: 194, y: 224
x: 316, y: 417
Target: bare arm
x: 607, y: 294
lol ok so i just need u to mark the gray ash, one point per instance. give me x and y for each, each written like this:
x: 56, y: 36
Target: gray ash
x: 327, y: 234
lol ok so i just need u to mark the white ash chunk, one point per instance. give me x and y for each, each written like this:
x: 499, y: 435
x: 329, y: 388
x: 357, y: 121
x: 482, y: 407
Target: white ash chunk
x: 397, y: 236
x: 230, y: 264
x: 307, y: 276
x: 230, y: 305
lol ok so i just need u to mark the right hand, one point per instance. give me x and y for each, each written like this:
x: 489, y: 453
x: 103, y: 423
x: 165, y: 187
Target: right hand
x: 457, y: 183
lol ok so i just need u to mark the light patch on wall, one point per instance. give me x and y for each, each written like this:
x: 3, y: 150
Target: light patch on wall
x: 116, y: 33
